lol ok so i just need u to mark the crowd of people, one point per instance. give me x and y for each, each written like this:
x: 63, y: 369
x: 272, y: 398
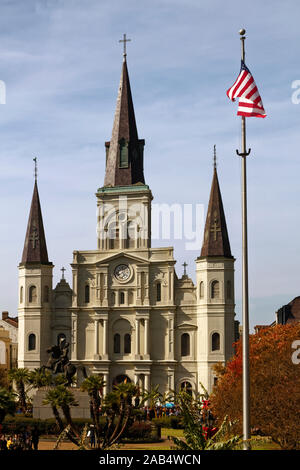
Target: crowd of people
x: 158, y: 411
x: 27, y: 440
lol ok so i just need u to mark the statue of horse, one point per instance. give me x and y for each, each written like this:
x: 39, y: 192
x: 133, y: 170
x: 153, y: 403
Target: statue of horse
x: 58, y: 362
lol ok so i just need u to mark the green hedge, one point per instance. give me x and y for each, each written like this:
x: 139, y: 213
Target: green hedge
x: 17, y: 424
x: 171, y: 422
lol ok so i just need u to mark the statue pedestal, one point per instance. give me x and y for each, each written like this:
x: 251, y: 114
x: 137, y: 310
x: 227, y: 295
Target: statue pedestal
x: 41, y: 411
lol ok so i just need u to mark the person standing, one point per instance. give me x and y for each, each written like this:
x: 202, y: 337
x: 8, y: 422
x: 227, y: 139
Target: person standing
x: 92, y: 436
x: 3, y: 443
x: 35, y: 437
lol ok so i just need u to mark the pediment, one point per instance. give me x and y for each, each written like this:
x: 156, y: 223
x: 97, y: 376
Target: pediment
x: 123, y: 254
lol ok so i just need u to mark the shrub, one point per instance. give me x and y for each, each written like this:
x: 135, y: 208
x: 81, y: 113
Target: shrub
x: 171, y: 422
x: 17, y: 424
x: 139, y: 430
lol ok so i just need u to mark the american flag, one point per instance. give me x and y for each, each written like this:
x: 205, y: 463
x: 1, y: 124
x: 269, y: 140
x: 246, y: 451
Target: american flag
x: 244, y: 88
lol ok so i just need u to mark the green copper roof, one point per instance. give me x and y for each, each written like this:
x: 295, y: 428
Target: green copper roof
x: 123, y: 189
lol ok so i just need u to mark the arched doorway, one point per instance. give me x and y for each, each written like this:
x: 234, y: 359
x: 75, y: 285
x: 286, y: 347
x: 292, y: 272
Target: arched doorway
x: 121, y: 379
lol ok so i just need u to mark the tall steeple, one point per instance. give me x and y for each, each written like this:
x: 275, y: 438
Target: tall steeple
x: 35, y: 248
x: 216, y: 240
x: 124, y: 152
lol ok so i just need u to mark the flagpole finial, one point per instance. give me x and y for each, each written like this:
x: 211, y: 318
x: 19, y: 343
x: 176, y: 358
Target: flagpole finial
x: 242, y: 32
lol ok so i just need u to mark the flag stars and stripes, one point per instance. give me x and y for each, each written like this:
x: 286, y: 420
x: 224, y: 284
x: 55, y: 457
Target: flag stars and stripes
x: 244, y: 88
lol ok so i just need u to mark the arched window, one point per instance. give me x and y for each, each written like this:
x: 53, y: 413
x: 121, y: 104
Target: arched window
x: 122, y: 298
x: 46, y: 294
x: 31, y: 342
x: 113, y: 235
x: 21, y: 294
x: 32, y: 294
x: 158, y: 292
x: 130, y: 297
x: 215, y: 290
x: 127, y: 343
x: 87, y: 294
x: 215, y: 342
x: 228, y: 290
x: 131, y: 235
x: 113, y: 298
x: 185, y: 344
x: 60, y: 336
x: 187, y: 387
x: 201, y: 290
x: 117, y: 343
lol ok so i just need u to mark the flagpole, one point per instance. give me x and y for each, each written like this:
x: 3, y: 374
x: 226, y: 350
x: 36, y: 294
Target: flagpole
x: 245, y: 339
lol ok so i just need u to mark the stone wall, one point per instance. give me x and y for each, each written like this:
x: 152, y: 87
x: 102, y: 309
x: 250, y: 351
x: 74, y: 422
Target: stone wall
x: 41, y: 411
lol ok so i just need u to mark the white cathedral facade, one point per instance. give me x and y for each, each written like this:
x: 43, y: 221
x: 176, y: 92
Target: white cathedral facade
x: 127, y: 314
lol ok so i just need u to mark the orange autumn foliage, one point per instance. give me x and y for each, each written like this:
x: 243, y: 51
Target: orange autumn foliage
x: 274, y: 385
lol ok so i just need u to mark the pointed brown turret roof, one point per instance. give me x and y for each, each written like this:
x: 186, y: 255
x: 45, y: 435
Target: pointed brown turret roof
x: 216, y: 240
x: 35, y: 248
x: 124, y: 153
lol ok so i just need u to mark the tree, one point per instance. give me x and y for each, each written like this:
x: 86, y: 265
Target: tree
x: 94, y: 386
x: 153, y: 397
x: 61, y: 397
x: 274, y: 386
x: 4, y: 381
x: 7, y: 403
x: 39, y: 378
x: 118, y: 408
x: 21, y: 379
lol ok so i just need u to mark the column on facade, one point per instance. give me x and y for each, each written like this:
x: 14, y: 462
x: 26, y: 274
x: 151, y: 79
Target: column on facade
x: 171, y: 336
x: 105, y: 342
x: 146, y: 339
x: 147, y: 382
x: 74, y: 337
x: 171, y: 381
x: 137, y: 337
x: 106, y: 385
x: 96, y: 340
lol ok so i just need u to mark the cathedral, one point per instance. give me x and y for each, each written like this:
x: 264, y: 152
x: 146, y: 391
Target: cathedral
x: 127, y: 315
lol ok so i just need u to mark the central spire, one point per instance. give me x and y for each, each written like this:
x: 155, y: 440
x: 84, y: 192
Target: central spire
x: 124, y: 152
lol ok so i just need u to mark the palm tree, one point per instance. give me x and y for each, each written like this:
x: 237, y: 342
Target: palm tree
x: 118, y: 407
x: 7, y: 403
x: 94, y: 386
x: 21, y: 379
x: 153, y: 397
x: 61, y: 397
x: 39, y: 378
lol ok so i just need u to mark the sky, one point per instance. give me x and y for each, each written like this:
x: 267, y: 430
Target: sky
x: 60, y: 61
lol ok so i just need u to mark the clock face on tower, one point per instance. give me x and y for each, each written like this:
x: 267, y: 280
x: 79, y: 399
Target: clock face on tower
x: 122, y: 272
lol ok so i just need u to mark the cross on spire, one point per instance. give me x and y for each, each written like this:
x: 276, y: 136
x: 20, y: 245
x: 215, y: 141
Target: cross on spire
x: 35, y: 168
x: 184, y: 267
x: 34, y: 237
x: 63, y: 272
x: 215, y: 228
x: 124, y: 40
x: 215, y: 157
